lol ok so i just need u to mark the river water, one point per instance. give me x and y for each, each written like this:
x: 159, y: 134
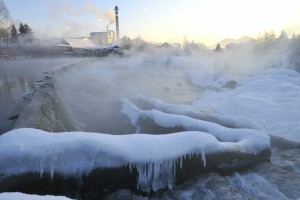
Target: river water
x: 91, y: 93
x: 17, y: 78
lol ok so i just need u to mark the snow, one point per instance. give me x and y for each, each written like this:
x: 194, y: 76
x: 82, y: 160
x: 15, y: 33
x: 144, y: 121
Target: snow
x: 154, y: 156
x: 271, y: 100
x: 181, y: 109
x: 22, y: 196
x: 264, y: 101
x: 246, y: 140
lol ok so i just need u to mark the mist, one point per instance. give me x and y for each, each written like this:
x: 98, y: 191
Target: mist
x: 92, y: 93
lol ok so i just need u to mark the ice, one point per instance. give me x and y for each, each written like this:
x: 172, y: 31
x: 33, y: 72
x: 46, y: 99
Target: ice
x: 256, y: 186
x: 154, y: 156
x: 22, y: 196
x: 77, y: 153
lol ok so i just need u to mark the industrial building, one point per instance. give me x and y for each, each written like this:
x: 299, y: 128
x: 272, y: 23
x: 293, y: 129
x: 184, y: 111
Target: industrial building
x: 98, y: 43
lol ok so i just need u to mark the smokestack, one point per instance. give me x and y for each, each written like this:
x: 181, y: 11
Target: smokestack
x: 117, y: 23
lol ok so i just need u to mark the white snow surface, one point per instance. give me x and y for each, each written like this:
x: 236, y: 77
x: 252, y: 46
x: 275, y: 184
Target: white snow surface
x: 22, y: 196
x: 155, y: 156
x: 270, y: 100
x: 241, y: 139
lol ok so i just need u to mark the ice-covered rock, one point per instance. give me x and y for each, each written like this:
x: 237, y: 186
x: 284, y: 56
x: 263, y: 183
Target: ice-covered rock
x: 150, y: 162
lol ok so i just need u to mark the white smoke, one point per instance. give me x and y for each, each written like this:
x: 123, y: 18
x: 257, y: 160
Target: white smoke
x: 89, y: 8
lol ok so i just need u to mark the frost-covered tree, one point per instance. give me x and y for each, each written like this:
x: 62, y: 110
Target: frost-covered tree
x: 218, y: 48
x: 21, y: 29
x: 266, y: 36
x: 13, y: 33
x: 25, y: 30
x: 283, y: 35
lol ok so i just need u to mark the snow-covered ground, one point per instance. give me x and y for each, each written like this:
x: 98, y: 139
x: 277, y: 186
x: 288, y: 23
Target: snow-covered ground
x: 270, y: 99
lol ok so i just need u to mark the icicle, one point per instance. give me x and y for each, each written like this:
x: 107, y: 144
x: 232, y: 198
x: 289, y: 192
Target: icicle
x: 138, y: 130
x: 156, y: 175
x: 41, y: 168
x: 174, y: 168
x: 130, y: 167
x: 180, y: 162
x: 203, y: 158
x: 51, y: 170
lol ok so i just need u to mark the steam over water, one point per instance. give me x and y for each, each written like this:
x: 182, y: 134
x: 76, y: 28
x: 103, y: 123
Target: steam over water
x: 91, y: 93
x: 250, y: 90
x: 17, y: 78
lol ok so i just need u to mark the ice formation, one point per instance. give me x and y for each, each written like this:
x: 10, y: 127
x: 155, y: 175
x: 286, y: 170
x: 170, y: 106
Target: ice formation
x: 244, y: 140
x: 154, y: 156
x: 206, y: 114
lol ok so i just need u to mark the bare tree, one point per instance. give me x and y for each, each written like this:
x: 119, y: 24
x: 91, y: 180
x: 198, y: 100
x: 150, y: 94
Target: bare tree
x: 4, y: 15
x: 266, y: 36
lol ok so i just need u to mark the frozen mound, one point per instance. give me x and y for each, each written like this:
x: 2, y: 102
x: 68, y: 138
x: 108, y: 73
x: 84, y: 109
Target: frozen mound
x: 138, y: 161
x: 204, y: 114
x: 243, y: 140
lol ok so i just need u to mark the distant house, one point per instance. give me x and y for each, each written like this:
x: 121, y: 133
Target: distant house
x: 77, y: 45
x: 170, y: 45
x: 85, y: 46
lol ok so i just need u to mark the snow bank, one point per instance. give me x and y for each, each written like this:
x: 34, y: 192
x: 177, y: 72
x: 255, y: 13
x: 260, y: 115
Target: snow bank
x: 21, y: 196
x: 154, y: 156
x: 203, y: 114
x: 243, y: 140
x: 77, y: 153
x: 271, y: 100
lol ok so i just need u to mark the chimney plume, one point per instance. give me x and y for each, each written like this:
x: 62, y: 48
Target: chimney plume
x: 117, y: 23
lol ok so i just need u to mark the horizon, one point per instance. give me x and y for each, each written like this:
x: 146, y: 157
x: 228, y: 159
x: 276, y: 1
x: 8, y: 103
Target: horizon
x: 203, y: 21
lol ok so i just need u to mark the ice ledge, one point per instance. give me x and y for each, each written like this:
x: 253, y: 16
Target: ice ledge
x: 148, y: 162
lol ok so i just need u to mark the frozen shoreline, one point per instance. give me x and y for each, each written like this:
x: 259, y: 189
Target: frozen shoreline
x: 44, y: 111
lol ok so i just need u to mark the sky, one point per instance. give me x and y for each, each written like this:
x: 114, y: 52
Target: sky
x: 202, y: 21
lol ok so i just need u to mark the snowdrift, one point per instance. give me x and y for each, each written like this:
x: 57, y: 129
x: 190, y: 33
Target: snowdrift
x: 270, y: 100
x: 137, y: 161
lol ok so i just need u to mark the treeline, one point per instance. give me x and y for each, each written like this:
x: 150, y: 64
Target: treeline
x: 23, y: 31
x: 17, y: 40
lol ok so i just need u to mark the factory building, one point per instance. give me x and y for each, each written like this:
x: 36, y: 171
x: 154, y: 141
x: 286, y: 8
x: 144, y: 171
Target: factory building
x: 96, y: 43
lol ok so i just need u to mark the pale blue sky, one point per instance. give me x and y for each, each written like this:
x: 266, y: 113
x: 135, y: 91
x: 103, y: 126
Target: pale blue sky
x: 204, y: 21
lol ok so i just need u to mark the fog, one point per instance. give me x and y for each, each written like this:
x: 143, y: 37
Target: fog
x: 17, y: 79
x: 92, y: 92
